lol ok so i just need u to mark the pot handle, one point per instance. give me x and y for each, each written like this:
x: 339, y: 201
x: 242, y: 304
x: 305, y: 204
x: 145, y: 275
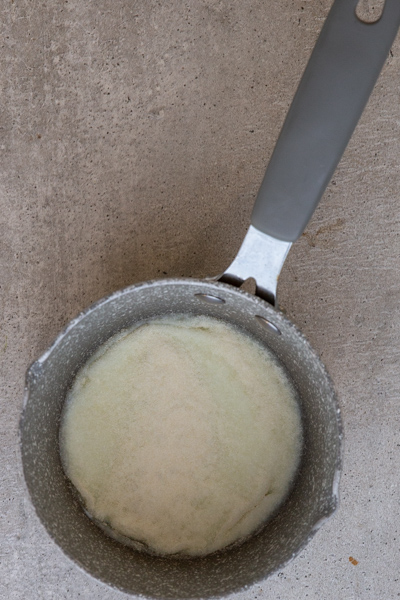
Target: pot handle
x: 332, y: 94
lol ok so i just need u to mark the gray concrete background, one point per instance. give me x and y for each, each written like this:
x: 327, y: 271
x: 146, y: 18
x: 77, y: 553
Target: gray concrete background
x: 134, y: 136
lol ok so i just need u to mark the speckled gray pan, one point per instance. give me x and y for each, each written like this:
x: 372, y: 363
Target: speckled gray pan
x: 314, y: 494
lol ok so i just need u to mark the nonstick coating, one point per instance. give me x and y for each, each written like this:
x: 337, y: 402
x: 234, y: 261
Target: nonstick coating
x: 314, y: 494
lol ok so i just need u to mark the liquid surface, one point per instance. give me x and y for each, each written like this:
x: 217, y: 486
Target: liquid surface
x: 182, y: 434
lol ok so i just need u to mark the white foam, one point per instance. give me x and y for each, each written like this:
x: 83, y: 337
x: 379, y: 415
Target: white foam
x: 183, y: 434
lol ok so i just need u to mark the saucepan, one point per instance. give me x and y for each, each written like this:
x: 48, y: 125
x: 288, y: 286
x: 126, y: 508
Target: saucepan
x: 333, y: 91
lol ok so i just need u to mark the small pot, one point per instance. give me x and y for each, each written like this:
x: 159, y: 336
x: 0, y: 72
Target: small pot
x: 334, y: 89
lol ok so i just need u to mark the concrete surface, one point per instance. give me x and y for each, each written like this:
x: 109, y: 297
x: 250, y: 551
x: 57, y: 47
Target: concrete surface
x: 134, y: 136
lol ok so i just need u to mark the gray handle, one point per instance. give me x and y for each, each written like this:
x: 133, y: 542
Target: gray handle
x: 332, y: 94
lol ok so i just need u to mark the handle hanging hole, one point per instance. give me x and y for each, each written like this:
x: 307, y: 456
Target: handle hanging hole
x: 369, y: 11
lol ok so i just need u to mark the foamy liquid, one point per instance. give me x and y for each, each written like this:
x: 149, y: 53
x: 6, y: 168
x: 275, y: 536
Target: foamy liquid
x: 182, y: 434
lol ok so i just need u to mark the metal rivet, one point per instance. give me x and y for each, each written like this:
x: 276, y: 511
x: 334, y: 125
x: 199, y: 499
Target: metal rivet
x: 210, y: 299
x: 268, y: 324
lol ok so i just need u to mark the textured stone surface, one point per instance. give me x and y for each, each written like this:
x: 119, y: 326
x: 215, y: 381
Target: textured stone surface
x: 134, y: 136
